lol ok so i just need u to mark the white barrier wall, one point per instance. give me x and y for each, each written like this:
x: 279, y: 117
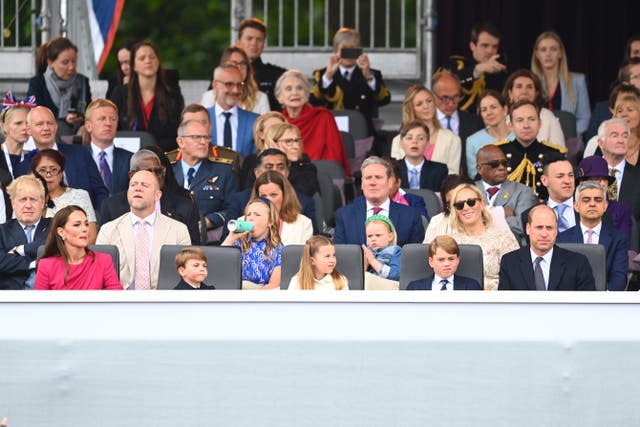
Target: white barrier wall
x: 233, y: 358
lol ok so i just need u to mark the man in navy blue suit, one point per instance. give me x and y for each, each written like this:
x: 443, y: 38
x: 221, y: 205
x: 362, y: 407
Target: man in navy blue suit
x: 415, y: 171
x: 21, y: 237
x: 101, y: 121
x: 444, y: 258
x: 377, y: 178
x: 591, y: 203
x: 231, y: 126
x: 80, y: 169
x: 269, y: 159
x: 211, y: 183
x: 543, y: 266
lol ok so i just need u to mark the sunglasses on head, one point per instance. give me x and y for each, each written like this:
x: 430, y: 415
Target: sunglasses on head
x: 470, y: 202
x: 494, y: 164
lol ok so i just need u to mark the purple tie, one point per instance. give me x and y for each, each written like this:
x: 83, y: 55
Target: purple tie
x: 492, y: 191
x: 105, y: 171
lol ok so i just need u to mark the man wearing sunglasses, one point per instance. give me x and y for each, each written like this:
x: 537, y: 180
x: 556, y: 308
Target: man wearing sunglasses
x: 543, y: 266
x: 231, y: 126
x: 511, y: 197
x: 525, y: 153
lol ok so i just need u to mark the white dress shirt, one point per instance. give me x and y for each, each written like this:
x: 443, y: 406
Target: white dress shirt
x: 436, y: 285
x: 455, y: 121
x: 384, y: 206
x: 491, y: 200
x: 545, y: 265
x: 595, y: 238
x: 220, y: 119
x: 95, y: 153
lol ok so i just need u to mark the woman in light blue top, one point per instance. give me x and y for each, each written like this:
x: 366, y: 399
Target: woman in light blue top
x: 563, y: 90
x: 493, y: 109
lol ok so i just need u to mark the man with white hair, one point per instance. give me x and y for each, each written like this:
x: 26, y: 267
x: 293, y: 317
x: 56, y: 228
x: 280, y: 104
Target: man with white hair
x: 613, y: 140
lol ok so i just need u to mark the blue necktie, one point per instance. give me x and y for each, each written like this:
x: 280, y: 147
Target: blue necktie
x: 449, y: 123
x: 28, y: 231
x: 562, y: 222
x: 227, y: 130
x: 190, y: 173
x: 444, y: 283
x: 105, y: 170
x: 414, y: 183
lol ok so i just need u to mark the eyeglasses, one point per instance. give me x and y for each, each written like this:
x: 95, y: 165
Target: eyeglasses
x: 198, y: 138
x: 50, y: 171
x: 290, y: 141
x: 242, y: 64
x: 447, y: 99
x: 494, y: 164
x: 470, y: 202
x: 231, y: 85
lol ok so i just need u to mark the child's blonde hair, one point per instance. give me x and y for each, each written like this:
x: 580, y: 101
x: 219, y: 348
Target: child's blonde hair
x: 305, y: 274
x: 381, y: 219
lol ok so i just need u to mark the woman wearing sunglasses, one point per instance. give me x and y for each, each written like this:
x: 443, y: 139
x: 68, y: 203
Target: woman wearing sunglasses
x: 471, y: 223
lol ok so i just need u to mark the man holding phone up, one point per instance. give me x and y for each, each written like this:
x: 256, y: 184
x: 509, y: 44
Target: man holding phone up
x: 486, y: 69
x: 348, y: 82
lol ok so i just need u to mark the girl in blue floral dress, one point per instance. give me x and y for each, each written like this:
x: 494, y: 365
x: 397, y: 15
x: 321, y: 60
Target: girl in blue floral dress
x: 261, y: 247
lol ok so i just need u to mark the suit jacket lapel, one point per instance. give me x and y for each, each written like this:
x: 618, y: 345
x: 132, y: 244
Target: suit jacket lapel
x: 127, y: 247
x: 240, y: 131
x: 526, y: 267
x: 555, y: 270
x: 17, y: 232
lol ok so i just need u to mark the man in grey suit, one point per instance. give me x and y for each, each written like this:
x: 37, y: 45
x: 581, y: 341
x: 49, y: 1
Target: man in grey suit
x: 512, y: 197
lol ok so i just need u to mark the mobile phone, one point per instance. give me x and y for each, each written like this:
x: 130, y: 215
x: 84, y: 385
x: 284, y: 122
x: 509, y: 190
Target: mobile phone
x: 350, y: 52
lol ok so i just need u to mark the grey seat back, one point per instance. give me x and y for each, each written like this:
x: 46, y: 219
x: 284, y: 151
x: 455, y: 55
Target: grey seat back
x: 414, y: 265
x: 597, y: 259
x: 350, y: 264
x: 224, y: 265
x: 431, y: 200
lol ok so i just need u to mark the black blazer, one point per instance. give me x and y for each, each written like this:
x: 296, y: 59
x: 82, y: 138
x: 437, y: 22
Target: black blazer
x: 431, y: 175
x: 569, y: 271
x: 165, y: 133
x: 80, y: 100
x: 470, y: 123
x: 120, y: 172
x: 174, y: 205
x: 14, y: 269
x: 460, y: 283
x: 630, y: 188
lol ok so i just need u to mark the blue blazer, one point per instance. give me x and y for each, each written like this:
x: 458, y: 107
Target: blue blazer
x: 244, y: 133
x: 120, y: 172
x: 14, y: 269
x: 417, y: 202
x: 581, y: 107
x: 212, y: 184
x: 431, y: 175
x: 350, y: 223
x: 460, y: 283
x: 80, y: 170
x: 616, y: 245
x: 569, y: 271
x: 234, y: 207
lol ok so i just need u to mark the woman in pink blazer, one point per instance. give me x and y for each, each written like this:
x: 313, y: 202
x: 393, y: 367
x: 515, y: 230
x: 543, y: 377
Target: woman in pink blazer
x: 66, y: 263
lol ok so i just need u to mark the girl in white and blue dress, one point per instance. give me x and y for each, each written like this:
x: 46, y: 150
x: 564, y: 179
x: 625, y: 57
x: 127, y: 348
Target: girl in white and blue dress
x: 261, y: 247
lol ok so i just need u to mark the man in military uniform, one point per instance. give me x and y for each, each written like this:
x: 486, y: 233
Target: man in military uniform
x: 209, y: 182
x: 525, y: 154
x: 349, y: 82
x: 252, y: 34
x: 485, y: 70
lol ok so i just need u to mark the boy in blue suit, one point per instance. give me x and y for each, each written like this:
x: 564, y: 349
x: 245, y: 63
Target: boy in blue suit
x: 444, y: 258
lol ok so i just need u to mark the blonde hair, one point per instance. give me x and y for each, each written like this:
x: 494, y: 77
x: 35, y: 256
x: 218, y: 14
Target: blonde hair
x: 305, y: 275
x: 273, y: 236
x: 275, y: 132
x: 258, y: 128
x: 99, y: 103
x: 456, y: 224
x: 380, y: 219
x: 563, y: 68
x: 408, y: 113
x: 189, y: 253
x: 628, y: 99
x: 8, y: 114
x: 28, y: 183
